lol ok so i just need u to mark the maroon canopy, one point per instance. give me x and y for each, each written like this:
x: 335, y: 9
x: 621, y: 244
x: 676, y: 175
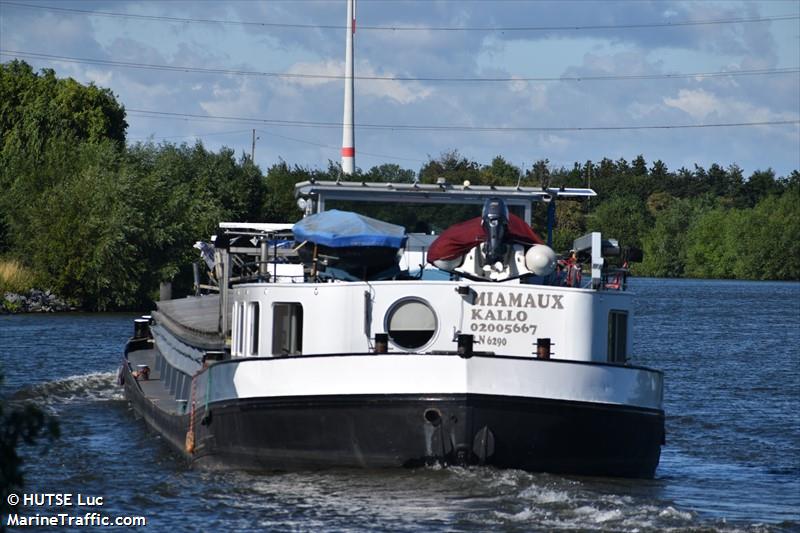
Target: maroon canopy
x: 460, y: 238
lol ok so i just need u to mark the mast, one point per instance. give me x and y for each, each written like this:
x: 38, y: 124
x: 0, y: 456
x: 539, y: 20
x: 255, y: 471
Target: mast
x: 348, y: 137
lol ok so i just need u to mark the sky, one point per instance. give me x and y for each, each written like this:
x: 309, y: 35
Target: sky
x: 571, y: 77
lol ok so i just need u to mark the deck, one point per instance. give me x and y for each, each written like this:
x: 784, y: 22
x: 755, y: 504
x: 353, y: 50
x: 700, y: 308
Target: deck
x: 195, y: 320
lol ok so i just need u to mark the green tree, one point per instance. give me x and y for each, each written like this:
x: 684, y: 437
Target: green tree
x: 44, y: 122
x: 665, y: 245
x: 41, y: 119
x: 713, y: 244
x: 279, y: 203
x: 622, y: 217
x: 452, y: 167
x: 768, y: 247
x: 639, y: 166
x: 759, y: 185
x: 78, y: 234
x: 390, y: 173
x: 570, y: 224
x: 539, y: 174
x: 500, y: 172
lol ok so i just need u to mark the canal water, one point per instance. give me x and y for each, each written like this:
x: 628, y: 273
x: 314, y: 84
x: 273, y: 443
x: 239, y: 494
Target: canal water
x: 731, y: 356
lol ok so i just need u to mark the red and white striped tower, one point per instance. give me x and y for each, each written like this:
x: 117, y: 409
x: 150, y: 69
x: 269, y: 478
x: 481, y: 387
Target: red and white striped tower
x: 348, y: 136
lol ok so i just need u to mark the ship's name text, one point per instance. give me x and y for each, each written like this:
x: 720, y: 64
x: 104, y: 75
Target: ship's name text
x: 512, y: 299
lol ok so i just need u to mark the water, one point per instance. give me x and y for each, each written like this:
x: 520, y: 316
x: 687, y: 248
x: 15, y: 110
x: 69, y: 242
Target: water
x: 732, y: 460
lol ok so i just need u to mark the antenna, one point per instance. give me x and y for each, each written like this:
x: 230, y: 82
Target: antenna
x: 348, y: 136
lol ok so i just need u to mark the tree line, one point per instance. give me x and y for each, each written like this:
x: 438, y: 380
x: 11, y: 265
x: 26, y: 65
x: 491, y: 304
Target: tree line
x: 103, y: 222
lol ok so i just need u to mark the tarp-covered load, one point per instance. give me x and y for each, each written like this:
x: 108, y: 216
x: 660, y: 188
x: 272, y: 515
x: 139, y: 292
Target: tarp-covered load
x: 360, y: 246
x: 339, y: 229
x: 457, y: 240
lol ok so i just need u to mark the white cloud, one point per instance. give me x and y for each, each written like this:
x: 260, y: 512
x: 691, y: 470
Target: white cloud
x: 700, y: 104
x: 697, y: 103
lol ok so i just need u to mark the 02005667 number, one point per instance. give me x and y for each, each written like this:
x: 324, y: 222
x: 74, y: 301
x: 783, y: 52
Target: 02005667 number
x: 482, y: 327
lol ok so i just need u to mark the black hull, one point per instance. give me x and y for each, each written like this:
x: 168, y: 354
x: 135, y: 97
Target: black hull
x: 379, y: 431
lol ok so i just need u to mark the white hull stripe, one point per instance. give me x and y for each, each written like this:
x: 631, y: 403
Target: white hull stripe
x: 431, y: 375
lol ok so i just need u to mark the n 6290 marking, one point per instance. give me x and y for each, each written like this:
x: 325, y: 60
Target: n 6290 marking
x: 490, y: 340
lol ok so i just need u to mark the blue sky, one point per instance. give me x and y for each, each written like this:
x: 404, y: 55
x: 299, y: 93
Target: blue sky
x: 618, y: 48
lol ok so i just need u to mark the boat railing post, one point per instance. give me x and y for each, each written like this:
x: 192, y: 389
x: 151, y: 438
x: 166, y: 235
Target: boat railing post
x: 263, y: 265
x: 543, y: 345
x: 196, y: 274
x: 465, y: 344
x: 381, y: 343
x: 165, y: 291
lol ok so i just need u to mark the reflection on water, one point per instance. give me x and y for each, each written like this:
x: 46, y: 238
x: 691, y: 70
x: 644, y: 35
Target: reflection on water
x: 732, y: 460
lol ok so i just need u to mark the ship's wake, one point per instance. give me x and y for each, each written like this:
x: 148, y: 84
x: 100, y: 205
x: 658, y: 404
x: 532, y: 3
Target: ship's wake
x: 472, y: 498
x: 91, y: 387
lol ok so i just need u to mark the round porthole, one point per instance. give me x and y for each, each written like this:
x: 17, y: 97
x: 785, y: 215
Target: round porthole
x: 411, y: 323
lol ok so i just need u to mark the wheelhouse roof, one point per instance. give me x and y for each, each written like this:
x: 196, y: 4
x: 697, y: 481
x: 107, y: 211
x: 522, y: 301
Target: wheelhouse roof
x: 434, y: 193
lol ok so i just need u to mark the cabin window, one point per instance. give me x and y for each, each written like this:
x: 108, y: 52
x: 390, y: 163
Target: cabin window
x: 411, y: 323
x: 238, y: 331
x: 287, y: 329
x: 255, y: 319
x: 618, y: 336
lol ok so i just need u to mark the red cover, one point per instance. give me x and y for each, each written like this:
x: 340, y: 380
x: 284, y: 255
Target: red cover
x: 460, y: 238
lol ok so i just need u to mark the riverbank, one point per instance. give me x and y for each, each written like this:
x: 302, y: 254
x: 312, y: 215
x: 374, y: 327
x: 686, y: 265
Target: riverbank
x: 34, y: 301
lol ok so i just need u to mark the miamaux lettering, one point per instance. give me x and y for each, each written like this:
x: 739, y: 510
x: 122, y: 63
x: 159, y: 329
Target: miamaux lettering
x: 519, y: 300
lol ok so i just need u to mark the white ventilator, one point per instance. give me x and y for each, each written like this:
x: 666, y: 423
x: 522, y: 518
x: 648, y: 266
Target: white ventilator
x: 348, y: 136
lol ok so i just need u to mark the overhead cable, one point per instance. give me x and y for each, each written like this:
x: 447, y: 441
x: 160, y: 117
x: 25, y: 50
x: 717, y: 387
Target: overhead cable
x: 265, y: 24
x: 321, y: 145
x: 272, y: 134
x: 301, y: 75
x: 198, y: 135
x: 456, y: 127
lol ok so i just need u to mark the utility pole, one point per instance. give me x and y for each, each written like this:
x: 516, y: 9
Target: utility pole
x: 253, y: 149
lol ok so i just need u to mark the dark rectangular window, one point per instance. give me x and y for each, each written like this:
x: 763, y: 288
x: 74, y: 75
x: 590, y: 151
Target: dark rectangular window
x: 618, y: 336
x: 238, y: 320
x: 287, y: 329
x: 255, y: 319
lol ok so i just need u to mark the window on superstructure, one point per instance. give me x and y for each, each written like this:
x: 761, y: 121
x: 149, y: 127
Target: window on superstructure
x: 255, y: 320
x: 287, y: 329
x: 617, y: 336
x: 237, y: 342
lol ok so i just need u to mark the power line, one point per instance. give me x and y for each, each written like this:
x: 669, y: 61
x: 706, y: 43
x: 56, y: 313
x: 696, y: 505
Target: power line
x: 407, y: 28
x: 198, y: 135
x: 321, y: 145
x: 461, y: 128
x: 202, y: 70
x: 273, y: 134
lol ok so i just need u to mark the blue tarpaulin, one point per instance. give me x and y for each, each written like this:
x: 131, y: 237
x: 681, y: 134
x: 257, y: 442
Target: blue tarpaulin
x: 339, y: 229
